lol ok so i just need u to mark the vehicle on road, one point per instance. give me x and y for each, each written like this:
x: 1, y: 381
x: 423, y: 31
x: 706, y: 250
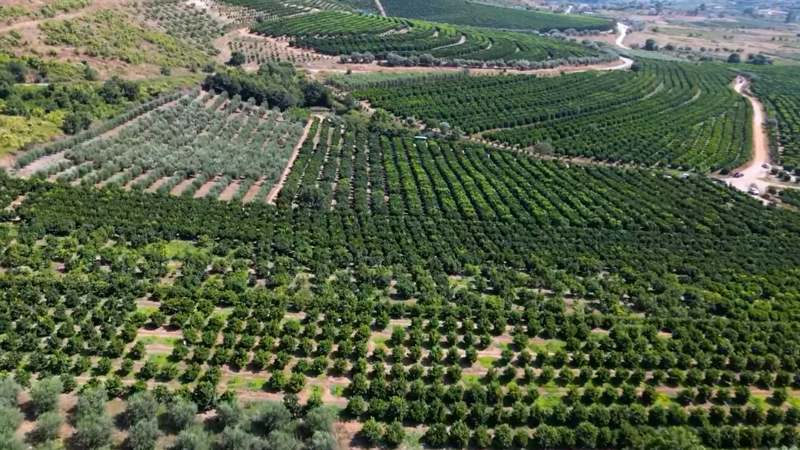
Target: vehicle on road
x: 738, y: 175
x: 753, y: 190
x: 767, y: 166
x: 685, y: 176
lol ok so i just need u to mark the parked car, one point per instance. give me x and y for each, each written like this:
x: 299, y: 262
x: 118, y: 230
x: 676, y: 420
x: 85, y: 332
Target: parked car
x: 767, y: 166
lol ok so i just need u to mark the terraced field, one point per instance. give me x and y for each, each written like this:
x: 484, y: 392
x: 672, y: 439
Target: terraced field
x: 336, y: 33
x: 663, y: 114
x: 476, y: 14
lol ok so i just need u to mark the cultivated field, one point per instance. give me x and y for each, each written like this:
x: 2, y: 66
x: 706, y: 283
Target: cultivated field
x: 416, y: 258
x: 200, y: 145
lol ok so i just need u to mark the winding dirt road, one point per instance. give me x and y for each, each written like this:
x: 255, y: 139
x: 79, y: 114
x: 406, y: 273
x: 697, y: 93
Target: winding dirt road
x: 622, y: 29
x: 753, y: 172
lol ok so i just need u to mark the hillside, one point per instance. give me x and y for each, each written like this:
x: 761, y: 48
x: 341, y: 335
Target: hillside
x: 335, y: 224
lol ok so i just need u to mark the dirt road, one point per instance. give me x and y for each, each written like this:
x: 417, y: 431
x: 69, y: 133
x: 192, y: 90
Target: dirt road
x: 753, y: 172
x: 380, y: 7
x: 277, y: 188
x: 622, y: 29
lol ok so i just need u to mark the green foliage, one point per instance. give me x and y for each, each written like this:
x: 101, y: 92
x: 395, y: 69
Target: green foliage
x: 45, y: 395
x: 192, y: 439
x: 12, y: 12
x: 9, y: 392
x: 93, y: 431
x: 144, y: 434
x: 141, y: 406
x: 111, y: 34
x: 776, y: 88
x: 48, y: 426
x: 62, y: 6
x: 230, y: 413
x: 161, y: 151
x: 411, y: 42
x: 462, y: 12
x: 10, y: 420
x: 76, y: 122
x: 235, y: 438
x: 712, y: 129
x: 276, y: 83
x: 180, y: 414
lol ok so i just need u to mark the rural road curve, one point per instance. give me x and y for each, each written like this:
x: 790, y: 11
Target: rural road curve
x: 753, y: 172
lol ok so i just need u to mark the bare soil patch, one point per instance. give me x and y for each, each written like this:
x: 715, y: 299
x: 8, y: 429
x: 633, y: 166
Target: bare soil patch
x: 128, y: 185
x: 178, y: 189
x: 229, y: 191
x: 203, y: 190
x: 154, y: 187
x: 41, y: 163
x: 251, y: 193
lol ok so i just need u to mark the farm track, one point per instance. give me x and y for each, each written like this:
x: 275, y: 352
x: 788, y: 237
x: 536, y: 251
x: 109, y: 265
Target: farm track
x: 753, y: 172
x: 273, y: 193
x: 381, y: 9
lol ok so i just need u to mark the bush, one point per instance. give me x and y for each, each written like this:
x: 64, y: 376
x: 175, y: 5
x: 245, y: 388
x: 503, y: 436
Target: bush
x: 235, y: 439
x: 45, y: 395
x: 91, y: 402
x: 9, y: 392
x: 10, y: 419
x: 371, y: 431
x: 93, y: 431
x: 144, y: 434
x: 141, y: 406
x: 322, y: 441
x: 180, y: 414
x: 76, y: 122
x: 192, y: 439
x: 394, y: 435
x: 48, y: 426
x: 230, y: 414
x: 272, y: 416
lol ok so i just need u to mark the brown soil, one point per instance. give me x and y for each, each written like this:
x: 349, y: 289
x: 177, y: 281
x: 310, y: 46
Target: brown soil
x: 229, y: 191
x: 40, y: 163
x: 178, y: 189
x: 275, y: 189
x: 154, y: 187
x: 251, y: 193
x: 203, y: 190
x: 128, y: 185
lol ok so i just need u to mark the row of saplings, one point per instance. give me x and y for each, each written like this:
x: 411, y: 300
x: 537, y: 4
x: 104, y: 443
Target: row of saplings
x: 153, y: 418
